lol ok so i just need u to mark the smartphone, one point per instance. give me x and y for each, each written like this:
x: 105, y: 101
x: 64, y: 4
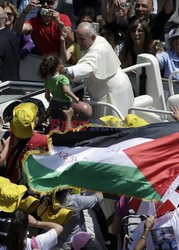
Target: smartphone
x: 96, y: 26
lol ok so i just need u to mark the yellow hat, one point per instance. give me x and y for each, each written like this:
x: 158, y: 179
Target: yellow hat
x: 4, y: 181
x: 29, y: 204
x: 134, y: 121
x: 61, y: 217
x: 112, y: 121
x: 76, y: 190
x: 10, y: 196
x: 23, y: 122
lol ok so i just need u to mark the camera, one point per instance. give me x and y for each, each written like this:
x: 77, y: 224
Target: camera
x: 45, y: 12
x: 124, y: 5
x: 96, y: 26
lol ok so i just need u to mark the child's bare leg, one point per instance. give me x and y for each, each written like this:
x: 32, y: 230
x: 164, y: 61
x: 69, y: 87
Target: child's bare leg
x: 68, y: 115
x: 43, y: 117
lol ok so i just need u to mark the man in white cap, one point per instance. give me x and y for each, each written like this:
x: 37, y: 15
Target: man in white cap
x: 169, y: 58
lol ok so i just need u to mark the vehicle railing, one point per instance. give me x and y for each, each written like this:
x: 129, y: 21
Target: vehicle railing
x: 81, y: 86
x: 149, y: 110
x: 136, y: 66
x: 27, y: 86
x: 171, y: 82
x: 107, y: 105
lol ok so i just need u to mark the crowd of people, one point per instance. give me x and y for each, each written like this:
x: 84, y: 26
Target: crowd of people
x: 94, y: 51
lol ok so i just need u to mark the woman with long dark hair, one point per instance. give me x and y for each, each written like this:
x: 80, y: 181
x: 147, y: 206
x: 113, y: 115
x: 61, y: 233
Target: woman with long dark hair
x: 17, y: 234
x: 138, y: 40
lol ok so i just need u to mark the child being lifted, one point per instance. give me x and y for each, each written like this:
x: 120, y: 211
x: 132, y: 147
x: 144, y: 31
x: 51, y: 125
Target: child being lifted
x: 57, y: 89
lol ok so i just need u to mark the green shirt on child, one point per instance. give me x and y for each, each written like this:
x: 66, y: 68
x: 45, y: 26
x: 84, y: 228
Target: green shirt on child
x: 54, y: 86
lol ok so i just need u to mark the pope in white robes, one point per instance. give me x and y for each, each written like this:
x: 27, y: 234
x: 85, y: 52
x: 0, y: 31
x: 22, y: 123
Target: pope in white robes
x: 100, y: 69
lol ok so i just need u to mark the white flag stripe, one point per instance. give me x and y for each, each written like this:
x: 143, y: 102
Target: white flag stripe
x: 174, y: 198
x: 63, y: 157
x: 171, y: 189
x: 149, y: 208
x: 146, y: 208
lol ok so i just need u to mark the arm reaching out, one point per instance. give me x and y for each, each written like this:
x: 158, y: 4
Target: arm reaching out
x: 20, y: 26
x: 45, y: 225
x: 147, y: 227
x: 68, y: 92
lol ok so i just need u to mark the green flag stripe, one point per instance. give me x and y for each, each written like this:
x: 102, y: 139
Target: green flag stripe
x: 96, y: 176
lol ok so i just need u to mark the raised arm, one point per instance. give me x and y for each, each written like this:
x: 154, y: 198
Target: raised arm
x: 143, y: 239
x: 110, y: 16
x: 65, y: 56
x: 45, y: 225
x: 63, y: 27
x: 20, y: 26
x: 168, y: 6
x: 78, y: 71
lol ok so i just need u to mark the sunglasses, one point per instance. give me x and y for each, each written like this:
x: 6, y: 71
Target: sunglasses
x: 48, y: 2
x: 9, y: 14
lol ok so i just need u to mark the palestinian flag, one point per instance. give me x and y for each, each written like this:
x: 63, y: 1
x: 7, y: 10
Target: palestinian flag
x: 141, y: 162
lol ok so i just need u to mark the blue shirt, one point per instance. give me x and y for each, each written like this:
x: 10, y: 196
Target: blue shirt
x: 169, y: 61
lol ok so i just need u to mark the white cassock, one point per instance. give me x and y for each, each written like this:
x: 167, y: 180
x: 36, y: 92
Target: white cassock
x: 105, y: 80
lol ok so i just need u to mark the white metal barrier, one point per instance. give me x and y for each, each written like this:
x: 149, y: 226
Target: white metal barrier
x: 154, y: 86
x: 171, y: 82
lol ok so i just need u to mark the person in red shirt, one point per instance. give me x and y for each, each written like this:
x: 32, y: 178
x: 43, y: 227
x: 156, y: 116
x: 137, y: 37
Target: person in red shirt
x: 46, y: 27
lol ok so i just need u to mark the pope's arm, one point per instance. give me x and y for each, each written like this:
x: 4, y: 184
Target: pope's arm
x: 78, y: 71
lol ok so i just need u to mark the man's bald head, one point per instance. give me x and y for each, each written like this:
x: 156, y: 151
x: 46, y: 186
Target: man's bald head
x: 86, y: 28
x: 143, y: 8
x: 2, y: 17
x: 85, y: 35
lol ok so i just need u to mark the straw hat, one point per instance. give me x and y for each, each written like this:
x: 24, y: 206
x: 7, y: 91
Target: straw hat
x: 10, y: 195
x: 23, y: 122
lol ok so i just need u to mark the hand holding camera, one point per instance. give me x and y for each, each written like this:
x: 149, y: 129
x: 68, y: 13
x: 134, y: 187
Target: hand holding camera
x: 32, y: 5
x: 119, y: 4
